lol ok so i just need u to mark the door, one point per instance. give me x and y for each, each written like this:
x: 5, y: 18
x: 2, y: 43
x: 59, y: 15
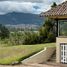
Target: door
x: 63, y: 53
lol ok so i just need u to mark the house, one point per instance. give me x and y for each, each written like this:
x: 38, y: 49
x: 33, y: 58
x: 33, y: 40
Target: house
x: 59, y: 14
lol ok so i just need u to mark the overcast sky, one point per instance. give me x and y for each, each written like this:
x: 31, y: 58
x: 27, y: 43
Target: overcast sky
x: 26, y: 6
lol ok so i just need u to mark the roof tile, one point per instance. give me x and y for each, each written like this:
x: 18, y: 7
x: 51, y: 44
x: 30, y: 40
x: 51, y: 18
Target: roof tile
x: 58, y: 10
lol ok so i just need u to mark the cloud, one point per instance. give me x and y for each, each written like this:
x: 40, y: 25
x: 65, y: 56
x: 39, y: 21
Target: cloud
x: 8, y: 6
x: 25, y: 6
x: 38, y: 1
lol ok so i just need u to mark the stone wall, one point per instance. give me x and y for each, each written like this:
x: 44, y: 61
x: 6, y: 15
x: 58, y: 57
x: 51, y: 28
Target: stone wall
x: 58, y: 53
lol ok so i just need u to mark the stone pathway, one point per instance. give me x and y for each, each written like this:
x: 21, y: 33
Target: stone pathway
x: 36, y: 65
x: 29, y: 66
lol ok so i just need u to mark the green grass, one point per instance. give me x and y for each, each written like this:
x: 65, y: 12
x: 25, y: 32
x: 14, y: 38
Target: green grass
x: 18, y: 53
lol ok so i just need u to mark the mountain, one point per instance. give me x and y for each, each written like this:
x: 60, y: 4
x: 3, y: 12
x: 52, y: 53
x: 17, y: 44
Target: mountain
x: 16, y: 18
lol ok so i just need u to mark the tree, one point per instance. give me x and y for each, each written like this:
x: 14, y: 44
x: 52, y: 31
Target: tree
x: 4, y: 32
x: 47, y: 31
x: 54, y: 4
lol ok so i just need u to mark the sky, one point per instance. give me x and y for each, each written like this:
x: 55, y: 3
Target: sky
x: 26, y: 6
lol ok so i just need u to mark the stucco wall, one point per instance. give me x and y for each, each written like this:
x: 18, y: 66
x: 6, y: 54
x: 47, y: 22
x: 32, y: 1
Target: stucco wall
x: 40, y: 57
x: 58, y: 53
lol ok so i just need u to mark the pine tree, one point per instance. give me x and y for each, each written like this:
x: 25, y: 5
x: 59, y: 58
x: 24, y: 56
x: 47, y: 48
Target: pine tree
x: 54, y: 4
x: 4, y: 32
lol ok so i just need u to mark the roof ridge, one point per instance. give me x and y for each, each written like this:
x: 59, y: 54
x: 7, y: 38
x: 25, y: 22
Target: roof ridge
x: 60, y: 9
x: 61, y: 4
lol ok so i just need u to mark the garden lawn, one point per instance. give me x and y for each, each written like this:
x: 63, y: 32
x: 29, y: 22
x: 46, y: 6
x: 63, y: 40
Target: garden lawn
x: 8, y: 55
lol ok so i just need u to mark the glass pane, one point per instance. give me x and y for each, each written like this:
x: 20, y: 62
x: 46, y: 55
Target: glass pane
x: 63, y: 27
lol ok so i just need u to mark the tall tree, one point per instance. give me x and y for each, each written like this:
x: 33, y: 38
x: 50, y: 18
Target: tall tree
x: 4, y: 32
x: 47, y: 31
x: 55, y: 22
x: 54, y: 4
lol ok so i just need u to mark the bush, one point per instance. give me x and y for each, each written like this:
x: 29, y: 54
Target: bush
x: 30, y: 38
x: 50, y: 38
x: 43, y: 34
x: 16, y: 38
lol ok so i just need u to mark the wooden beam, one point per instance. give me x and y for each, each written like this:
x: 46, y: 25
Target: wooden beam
x: 58, y: 17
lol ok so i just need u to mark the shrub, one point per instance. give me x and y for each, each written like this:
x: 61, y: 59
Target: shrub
x: 30, y: 38
x: 16, y: 38
x: 50, y: 38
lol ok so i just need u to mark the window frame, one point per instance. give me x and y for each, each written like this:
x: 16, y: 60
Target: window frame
x: 59, y: 21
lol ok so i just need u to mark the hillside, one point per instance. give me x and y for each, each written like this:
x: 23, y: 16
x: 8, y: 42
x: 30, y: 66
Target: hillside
x: 16, y: 18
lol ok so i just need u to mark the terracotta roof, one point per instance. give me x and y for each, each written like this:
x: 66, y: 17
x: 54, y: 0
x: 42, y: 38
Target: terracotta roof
x: 59, y: 10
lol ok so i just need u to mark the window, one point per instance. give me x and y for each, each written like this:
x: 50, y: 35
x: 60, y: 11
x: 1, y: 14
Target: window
x: 62, y: 28
x: 63, y: 52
